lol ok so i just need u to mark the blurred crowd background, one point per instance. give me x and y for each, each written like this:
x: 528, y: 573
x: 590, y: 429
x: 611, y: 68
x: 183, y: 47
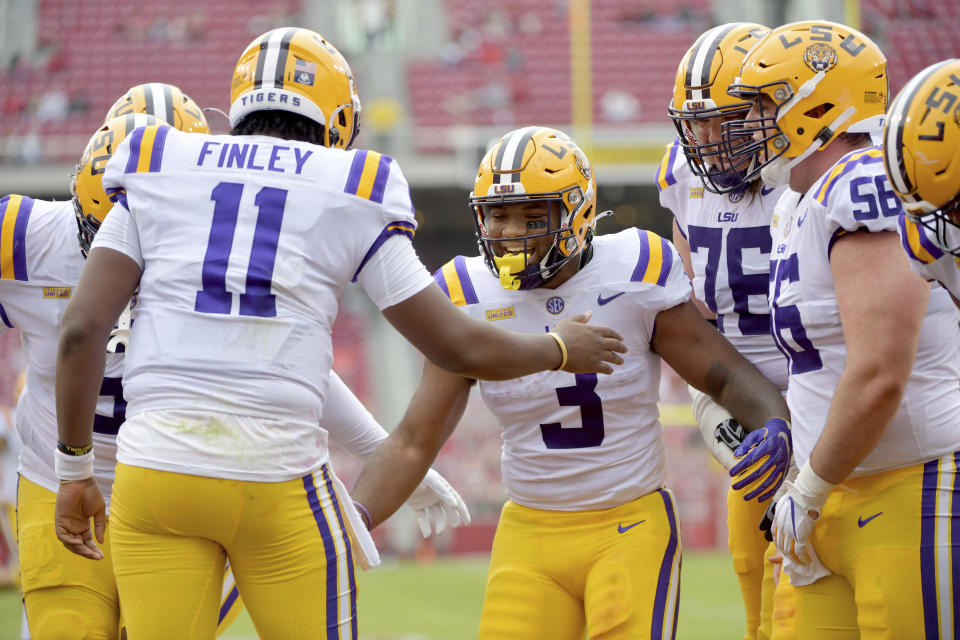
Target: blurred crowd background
x: 439, y: 81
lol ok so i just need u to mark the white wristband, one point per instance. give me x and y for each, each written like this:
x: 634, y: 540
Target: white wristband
x: 813, y: 487
x: 72, y: 468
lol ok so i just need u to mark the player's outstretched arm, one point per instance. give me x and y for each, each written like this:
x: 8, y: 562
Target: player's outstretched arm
x: 707, y: 361
x: 469, y: 347
x: 398, y: 465
x: 435, y: 502
x: 106, y: 285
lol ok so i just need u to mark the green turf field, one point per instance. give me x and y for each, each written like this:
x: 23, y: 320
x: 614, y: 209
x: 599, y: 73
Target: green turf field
x: 441, y: 601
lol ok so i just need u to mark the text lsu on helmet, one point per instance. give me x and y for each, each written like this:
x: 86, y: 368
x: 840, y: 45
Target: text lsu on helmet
x: 163, y: 101
x: 921, y: 150
x: 90, y: 202
x: 823, y: 78
x: 700, y: 92
x: 296, y: 70
x: 535, y: 164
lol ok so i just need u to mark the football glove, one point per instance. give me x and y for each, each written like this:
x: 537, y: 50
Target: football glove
x: 437, y: 504
x: 766, y: 522
x: 120, y: 336
x: 763, y: 460
x: 796, y: 513
x: 721, y: 433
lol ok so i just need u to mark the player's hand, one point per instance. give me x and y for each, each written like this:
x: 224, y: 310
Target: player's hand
x: 437, y: 505
x: 590, y: 348
x: 797, y: 511
x: 763, y: 460
x: 77, y: 502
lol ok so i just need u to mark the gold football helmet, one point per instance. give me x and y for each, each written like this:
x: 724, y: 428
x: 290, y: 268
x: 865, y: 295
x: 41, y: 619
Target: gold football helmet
x: 823, y: 79
x: 700, y: 92
x: 296, y: 70
x: 921, y: 151
x: 535, y: 163
x: 90, y: 202
x: 163, y: 101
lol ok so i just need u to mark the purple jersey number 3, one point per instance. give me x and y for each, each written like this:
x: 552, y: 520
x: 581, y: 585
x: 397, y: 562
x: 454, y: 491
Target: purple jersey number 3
x: 590, y: 434
x: 257, y: 300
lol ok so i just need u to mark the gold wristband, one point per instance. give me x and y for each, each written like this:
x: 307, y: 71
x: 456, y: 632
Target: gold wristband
x: 563, y: 350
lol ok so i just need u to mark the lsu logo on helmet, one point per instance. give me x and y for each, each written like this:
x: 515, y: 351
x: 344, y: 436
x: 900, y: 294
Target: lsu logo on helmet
x: 820, y: 57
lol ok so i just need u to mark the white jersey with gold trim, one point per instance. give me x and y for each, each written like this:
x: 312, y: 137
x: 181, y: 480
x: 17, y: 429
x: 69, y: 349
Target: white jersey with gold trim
x: 854, y: 196
x: 729, y: 238
x: 246, y: 244
x: 40, y: 263
x: 581, y: 441
x: 927, y: 259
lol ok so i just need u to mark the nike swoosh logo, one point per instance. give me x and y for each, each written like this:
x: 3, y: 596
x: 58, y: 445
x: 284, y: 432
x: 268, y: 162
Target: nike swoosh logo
x: 861, y: 521
x: 624, y: 529
x: 602, y: 301
x: 800, y: 220
x: 764, y: 190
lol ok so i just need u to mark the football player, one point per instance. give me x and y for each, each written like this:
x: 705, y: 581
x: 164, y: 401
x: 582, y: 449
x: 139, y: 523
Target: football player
x: 921, y: 151
x: 240, y: 247
x: 40, y: 264
x: 589, y: 539
x: 872, y: 350
x: 721, y: 230
x: 58, y: 589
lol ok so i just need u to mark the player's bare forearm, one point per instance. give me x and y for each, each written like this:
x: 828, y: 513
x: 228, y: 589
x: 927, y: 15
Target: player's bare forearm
x: 80, y: 364
x: 399, y: 463
x: 106, y: 285
x: 707, y: 361
x: 468, y: 347
x: 863, y: 406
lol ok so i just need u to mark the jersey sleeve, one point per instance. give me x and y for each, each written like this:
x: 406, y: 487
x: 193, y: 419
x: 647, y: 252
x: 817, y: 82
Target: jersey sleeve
x: 659, y: 264
x: 15, y: 213
x: 669, y: 179
x: 856, y: 195
x: 139, y: 152
x: 348, y: 422
x: 394, y: 273
x: 378, y: 179
x: 916, y: 243
x: 119, y: 232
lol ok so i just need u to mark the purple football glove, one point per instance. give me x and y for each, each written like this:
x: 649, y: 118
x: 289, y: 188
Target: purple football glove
x: 763, y: 460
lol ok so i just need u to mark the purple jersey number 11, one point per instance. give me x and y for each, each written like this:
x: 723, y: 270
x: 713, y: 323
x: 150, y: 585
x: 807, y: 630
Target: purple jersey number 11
x: 257, y: 300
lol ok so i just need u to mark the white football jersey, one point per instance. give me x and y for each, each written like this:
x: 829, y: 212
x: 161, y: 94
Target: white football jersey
x: 246, y: 244
x: 40, y: 263
x: 729, y: 238
x: 927, y: 259
x: 581, y: 441
x: 854, y: 196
